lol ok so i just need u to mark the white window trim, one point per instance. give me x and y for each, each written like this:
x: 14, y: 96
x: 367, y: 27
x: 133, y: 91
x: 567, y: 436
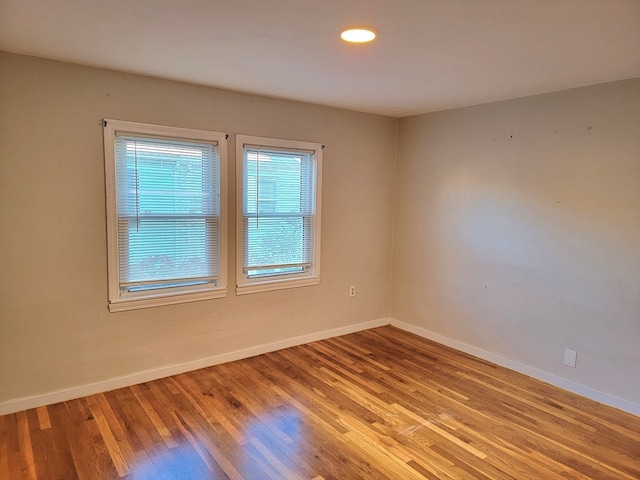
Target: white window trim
x: 151, y: 298
x: 244, y: 285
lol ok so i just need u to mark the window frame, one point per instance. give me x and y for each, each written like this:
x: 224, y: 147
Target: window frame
x: 119, y: 300
x: 245, y: 284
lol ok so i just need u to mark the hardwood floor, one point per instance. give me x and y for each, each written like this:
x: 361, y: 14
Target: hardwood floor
x: 378, y: 404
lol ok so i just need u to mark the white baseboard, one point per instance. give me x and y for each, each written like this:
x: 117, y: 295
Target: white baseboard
x: 19, y: 404
x: 538, y: 374
x: 49, y: 398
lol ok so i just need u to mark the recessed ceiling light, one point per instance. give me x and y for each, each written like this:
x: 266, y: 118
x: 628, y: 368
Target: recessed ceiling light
x: 358, y: 35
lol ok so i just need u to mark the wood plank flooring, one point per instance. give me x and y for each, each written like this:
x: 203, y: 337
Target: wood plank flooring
x: 378, y: 404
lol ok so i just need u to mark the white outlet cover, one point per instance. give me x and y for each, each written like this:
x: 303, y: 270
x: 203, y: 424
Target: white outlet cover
x: 570, y: 358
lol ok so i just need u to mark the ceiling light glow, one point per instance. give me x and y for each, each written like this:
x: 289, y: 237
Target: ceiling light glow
x: 358, y: 35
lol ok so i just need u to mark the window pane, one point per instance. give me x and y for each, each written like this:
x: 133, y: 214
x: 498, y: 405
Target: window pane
x: 277, y: 182
x: 156, y: 176
x: 160, y: 249
x: 275, y: 241
x: 167, y: 206
x: 278, y: 208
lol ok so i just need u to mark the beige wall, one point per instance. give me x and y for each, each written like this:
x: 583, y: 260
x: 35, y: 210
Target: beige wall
x: 517, y: 231
x: 55, y: 329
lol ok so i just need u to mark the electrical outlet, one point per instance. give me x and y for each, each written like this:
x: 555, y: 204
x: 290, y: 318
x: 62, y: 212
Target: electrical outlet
x: 352, y: 291
x: 570, y: 358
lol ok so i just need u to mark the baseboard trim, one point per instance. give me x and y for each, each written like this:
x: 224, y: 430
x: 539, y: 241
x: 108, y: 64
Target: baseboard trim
x: 538, y: 374
x: 19, y: 404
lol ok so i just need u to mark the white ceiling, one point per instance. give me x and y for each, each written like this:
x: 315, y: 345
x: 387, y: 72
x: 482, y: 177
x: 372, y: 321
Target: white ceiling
x: 429, y: 55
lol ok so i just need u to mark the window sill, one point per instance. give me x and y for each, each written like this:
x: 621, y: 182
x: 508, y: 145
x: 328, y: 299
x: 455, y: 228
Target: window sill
x: 124, y: 304
x: 269, y: 285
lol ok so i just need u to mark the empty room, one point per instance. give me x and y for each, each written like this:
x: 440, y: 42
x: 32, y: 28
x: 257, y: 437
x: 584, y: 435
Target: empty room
x: 303, y: 239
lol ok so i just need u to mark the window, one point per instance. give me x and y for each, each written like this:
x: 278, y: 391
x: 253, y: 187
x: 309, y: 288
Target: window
x: 278, y: 229
x: 165, y: 193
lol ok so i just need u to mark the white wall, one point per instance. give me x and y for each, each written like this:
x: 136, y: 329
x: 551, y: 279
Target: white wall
x: 55, y: 330
x: 517, y: 232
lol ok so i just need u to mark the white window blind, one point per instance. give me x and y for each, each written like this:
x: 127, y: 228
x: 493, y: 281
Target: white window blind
x: 167, y: 212
x: 280, y: 230
x: 166, y: 233
x: 278, y: 211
